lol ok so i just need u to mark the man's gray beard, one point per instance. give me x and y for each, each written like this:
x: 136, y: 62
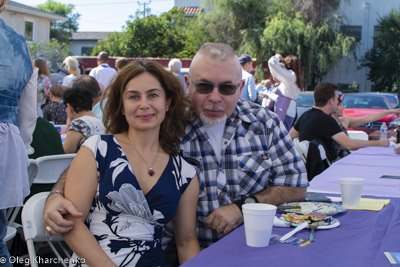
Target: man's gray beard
x: 215, y: 121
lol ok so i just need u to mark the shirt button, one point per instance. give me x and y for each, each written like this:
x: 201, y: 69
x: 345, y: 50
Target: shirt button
x: 255, y: 168
x: 219, y: 169
x: 222, y: 194
x: 225, y: 142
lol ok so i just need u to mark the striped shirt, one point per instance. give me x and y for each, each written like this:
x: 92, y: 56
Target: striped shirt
x: 257, y: 152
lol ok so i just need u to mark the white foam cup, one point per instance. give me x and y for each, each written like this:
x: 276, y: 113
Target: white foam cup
x: 351, y: 189
x: 258, y: 222
x: 307, y: 207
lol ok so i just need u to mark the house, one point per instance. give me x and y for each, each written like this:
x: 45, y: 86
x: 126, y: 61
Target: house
x: 82, y: 43
x: 30, y: 22
x: 190, y: 7
x: 362, y: 19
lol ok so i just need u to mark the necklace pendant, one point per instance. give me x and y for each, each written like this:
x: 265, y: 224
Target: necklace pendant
x: 151, y: 172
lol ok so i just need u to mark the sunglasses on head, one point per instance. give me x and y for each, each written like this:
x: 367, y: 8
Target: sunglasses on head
x: 206, y: 88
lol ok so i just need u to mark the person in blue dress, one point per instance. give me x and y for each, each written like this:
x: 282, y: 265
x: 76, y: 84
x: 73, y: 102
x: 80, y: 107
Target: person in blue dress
x: 129, y: 184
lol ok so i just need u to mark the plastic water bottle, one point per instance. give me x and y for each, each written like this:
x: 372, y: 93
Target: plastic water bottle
x: 384, y: 130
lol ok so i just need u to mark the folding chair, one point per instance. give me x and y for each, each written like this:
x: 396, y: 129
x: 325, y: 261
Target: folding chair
x: 360, y: 135
x: 34, y: 229
x: 301, y: 147
x: 51, y: 167
x: 32, y: 172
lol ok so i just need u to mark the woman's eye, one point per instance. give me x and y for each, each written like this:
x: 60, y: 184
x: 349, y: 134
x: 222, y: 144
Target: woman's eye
x: 133, y: 97
x: 153, y: 95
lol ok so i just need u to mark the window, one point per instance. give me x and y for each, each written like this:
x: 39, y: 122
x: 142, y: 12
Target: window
x: 353, y: 31
x: 86, y: 50
x: 29, y: 25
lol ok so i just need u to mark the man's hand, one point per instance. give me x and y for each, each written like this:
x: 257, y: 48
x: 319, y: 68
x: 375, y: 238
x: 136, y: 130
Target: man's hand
x: 225, y: 219
x: 55, y: 207
x: 384, y: 142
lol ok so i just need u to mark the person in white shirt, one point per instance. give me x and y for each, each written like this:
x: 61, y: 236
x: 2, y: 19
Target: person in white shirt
x: 249, y: 89
x: 103, y: 73
x: 72, y: 66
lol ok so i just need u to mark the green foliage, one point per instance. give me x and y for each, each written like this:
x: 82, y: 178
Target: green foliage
x: 53, y: 51
x: 167, y: 35
x: 61, y: 30
x: 383, y: 59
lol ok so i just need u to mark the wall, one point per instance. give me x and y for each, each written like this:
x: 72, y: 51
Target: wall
x: 365, y: 14
x: 76, y: 46
x: 17, y: 22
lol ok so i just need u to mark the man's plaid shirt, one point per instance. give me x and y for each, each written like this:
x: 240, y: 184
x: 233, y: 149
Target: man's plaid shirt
x: 257, y: 152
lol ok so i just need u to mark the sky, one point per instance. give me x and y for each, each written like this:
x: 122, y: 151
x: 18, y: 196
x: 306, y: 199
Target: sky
x: 107, y: 15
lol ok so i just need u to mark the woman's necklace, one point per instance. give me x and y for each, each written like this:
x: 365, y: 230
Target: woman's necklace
x: 151, y: 171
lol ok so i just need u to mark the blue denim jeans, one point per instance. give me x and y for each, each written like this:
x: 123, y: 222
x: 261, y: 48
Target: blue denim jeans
x: 4, y: 254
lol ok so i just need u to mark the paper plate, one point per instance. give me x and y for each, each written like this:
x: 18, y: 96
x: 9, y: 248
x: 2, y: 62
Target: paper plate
x: 332, y: 223
x: 320, y: 207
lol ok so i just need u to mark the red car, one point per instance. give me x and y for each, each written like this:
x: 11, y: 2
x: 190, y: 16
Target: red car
x: 362, y: 104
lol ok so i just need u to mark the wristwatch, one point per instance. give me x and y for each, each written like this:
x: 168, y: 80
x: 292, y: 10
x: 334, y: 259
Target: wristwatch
x: 246, y: 200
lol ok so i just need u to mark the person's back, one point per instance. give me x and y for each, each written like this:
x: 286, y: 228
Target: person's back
x: 103, y: 73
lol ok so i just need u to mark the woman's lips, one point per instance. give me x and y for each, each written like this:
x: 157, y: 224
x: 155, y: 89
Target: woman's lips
x: 146, y: 117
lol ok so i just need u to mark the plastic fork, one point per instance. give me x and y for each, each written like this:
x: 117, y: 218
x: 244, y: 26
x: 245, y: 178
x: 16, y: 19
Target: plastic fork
x: 313, y: 226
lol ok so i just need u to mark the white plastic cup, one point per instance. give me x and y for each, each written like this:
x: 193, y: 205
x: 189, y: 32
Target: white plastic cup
x: 258, y: 223
x: 307, y: 207
x: 351, y: 189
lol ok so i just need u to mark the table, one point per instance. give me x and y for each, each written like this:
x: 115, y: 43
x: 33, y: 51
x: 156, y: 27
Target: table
x: 360, y: 240
x: 369, y: 163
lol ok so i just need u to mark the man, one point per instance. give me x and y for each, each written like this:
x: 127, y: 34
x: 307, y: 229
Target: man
x: 175, y: 66
x: 249, y: 89
x: 317, y: 123
x: 90, y: 83
x: 103, y: 73
x: 121, y: 62
x: 242, y: 152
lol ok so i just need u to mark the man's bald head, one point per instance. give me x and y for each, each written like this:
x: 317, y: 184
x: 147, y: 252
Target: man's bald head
x: 103, y: 57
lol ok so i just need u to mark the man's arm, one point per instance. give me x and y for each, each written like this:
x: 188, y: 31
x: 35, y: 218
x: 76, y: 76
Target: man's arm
x: 293, y: 133
x: 252, y: 89
x: 353, y: 144
x: 56, y: 206
x: 277, y: 195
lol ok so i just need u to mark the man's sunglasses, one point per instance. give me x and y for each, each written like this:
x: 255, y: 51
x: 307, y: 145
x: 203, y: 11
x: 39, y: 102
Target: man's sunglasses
x: 206, y: 88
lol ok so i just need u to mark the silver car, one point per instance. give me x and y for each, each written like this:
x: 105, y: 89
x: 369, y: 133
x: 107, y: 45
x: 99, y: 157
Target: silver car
x: 304, y: 102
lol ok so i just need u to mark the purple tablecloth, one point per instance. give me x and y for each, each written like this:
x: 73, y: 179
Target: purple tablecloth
x: 369, y: 163
x: 360, y: 240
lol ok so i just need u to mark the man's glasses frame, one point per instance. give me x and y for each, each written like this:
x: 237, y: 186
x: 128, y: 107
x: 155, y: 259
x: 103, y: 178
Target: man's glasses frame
x: 207, y: 88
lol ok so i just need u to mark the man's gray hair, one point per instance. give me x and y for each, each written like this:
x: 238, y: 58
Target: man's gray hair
x: 175, y: 64
x: 217, y: 51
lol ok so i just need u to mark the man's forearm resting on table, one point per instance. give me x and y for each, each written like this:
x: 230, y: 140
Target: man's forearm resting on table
x: 277, y: 195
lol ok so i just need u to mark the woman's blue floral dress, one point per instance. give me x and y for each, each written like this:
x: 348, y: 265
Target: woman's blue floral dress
x: 126, y: 223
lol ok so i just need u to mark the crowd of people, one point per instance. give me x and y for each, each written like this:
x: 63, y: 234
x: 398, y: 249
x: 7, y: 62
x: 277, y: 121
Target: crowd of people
x: 164, y: 161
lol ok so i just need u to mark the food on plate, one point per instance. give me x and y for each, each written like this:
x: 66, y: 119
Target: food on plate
x: 300, y: 218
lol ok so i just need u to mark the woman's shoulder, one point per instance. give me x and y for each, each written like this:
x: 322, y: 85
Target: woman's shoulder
x: 183, y: 166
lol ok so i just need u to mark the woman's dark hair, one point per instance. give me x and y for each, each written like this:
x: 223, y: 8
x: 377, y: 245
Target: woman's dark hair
x: 79, y: 98
x: 175, y: 120
x: 41, y: 64
x: 293, y: 63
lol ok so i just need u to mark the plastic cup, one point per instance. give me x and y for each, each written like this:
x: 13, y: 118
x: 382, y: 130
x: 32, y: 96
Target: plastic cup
x: 351, y: 189
x: 307, y: 207
x: 258, y: 223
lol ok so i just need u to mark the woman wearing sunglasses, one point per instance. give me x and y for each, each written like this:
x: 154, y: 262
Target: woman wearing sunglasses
x: 129, y: 184
x: 289, y: 88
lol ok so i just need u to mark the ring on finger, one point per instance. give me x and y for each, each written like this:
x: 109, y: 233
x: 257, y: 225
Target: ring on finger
x: 48, y: 232
x: 222, y: 228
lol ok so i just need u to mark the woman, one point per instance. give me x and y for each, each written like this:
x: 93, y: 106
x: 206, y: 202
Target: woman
x: 72, y: 66
x: 44, y: 82
x: 353, y: 122
x: 289, y: 88
x: 18, y: 87
x: 131, y: 183
x: 84, y: 123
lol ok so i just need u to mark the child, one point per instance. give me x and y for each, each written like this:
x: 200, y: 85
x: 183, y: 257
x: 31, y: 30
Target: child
x: 55, y: 111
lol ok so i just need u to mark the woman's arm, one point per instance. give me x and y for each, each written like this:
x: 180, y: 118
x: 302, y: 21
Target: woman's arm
x: 283, y: 75
x: 185, y: 223
x: 80, y: 189
x: 353, y: 122
x: 72, y: 141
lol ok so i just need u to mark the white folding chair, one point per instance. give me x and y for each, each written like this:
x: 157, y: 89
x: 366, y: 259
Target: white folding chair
x: 34, y: 229
x: 299, y: 148
x: 51, y: 167
x: 32, y: 172
x: 360, y: 135
x: 302, y: 148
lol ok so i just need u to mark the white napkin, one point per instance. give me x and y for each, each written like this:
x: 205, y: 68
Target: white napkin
x: 279, y: 223
x: 336, y: 199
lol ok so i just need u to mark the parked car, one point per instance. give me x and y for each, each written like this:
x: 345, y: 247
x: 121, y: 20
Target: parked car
x: 362, y: 104
x: 392, y: 97
x: 304, y: 102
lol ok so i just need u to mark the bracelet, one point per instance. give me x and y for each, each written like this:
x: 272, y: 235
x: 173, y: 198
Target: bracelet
x: 55, y: 192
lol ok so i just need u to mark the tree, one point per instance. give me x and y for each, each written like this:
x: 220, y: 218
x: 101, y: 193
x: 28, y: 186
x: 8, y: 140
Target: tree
x: 383, y: 59
x: 61, y: 30
x: 53, y: 51
x: 167, y: 35
x: 262, y: 28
